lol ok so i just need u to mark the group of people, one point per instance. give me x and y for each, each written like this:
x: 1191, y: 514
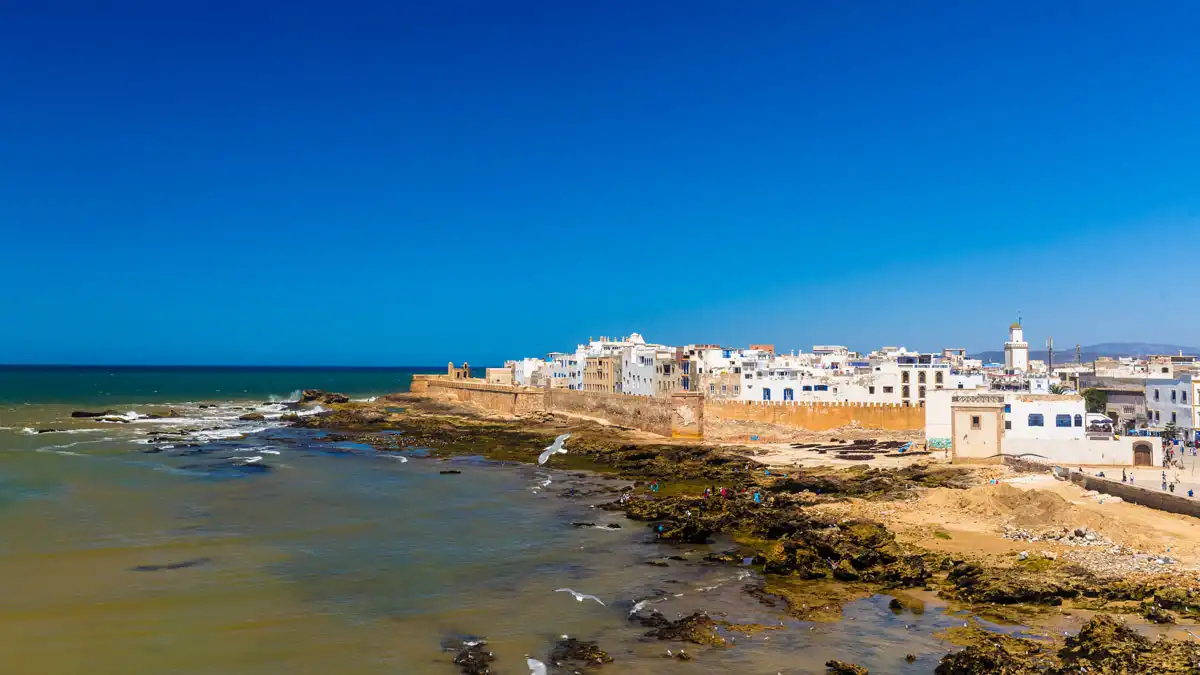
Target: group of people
x: 1167, y: 485
x: 729, y: 493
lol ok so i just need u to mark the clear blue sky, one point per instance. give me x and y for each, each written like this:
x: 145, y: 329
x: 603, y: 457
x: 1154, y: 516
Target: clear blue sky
x: 404, y: 183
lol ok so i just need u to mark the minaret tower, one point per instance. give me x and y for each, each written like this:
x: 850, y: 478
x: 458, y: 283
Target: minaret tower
x: 1016, y: 350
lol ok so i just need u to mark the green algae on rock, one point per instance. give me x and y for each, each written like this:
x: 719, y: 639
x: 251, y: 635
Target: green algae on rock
x: 1104, y: 646
x: 835, y: 667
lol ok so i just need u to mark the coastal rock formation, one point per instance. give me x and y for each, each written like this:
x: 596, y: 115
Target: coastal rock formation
x: 697, y: 628
x: 835, y: 667
x: 474, y: 658
x: 574, y: 654
x: 345, y: 418
x: 321, y: 396
x: 1104, y: 646
x: 85, y: 413
x: 183, y: 564
x: 253, y: 417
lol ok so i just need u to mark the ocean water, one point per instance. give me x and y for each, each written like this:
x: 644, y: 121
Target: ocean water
x: 204, y: 544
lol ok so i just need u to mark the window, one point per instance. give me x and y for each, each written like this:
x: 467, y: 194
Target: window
x: 1157, y: 418
x: 960, y: 386
x: 938, y: 377
x: 904, y: 377
x: 1036, y: 420
x: 712, y: 388
x: 1173, y: 395
x: 737, y: 389
x: 821, y: 387
x: 1007, y: 408
x: 766, y: 394
x: 1173, y: 418
x: 724, y: 389
x: 921, y: 377
x: 1183, y: 397
x: 1007, y: 425
x: 976, y: 423
x: 1155, y: 394
x: 1062, y: 421
x: 921, y: 392
x: 904, y: 391
x: 807, y: 387
x: 788, y: 394
x: 889, y: 390
x: 870, y: 390
x: 1079, y: 420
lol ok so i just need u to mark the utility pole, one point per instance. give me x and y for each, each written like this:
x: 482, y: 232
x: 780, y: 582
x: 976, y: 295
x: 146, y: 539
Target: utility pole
x: 1050, y: 354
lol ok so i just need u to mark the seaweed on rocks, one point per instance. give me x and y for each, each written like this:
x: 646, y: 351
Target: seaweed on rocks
x: 473, y: 658
x: 697, y: 628
x: 969, y: 582
x: 575, y: 654
x: 873, y: 483
x: 835, y: 667
x: 1104, y: 646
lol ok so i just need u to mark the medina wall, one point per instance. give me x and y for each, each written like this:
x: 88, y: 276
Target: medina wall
x: 815, y: 416
x: 637, y: 412
x: 505, y: 399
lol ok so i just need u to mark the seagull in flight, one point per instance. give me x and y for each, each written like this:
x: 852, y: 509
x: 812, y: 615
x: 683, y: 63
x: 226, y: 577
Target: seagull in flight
x: 556, y: 446
x: 535, y: 667
x: 579, y: 596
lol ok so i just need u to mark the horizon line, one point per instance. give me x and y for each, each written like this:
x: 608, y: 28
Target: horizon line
x: 207, y: 365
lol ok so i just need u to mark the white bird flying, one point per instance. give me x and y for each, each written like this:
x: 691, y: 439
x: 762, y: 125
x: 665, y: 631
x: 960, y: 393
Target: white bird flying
x: 556, y: 446
x: 535, y: 667
x: 579, y: 596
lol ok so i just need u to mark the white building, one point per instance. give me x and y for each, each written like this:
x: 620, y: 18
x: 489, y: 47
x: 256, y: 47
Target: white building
x: 1055, y: 429
x: 638, y: 376
x: 1174, y: 401
x: 566, y: 370
x: 1016, y: 350
x: 528, y: 372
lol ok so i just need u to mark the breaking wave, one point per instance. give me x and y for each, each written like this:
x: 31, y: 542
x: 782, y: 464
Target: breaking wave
x: 290, y: 398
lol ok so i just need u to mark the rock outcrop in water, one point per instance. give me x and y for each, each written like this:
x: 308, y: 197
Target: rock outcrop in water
x: 474, y: 658
x: 697, y: 628
x: 322, y: 396
x: 1104, y: 646
x: 576, y: 654
x: 835, y: 667
x: 85, y: 413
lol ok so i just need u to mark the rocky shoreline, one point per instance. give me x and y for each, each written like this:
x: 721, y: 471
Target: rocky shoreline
x: 809, y: 558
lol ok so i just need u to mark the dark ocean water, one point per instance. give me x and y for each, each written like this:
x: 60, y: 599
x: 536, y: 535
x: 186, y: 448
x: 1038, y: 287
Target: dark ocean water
x: 172, y: 384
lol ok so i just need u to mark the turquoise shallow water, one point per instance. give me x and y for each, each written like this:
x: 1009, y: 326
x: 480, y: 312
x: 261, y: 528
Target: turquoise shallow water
x: 207, y: 545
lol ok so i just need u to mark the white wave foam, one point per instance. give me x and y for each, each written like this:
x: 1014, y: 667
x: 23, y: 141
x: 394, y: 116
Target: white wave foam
x: 60, y: 452
x: 369, y: 399
x: 248, y: 460
x: 62, y: 449
x: 291, y: 398
x: 266, y: 451
x: 32, y: 432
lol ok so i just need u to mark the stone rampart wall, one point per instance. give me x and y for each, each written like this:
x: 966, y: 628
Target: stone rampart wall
x: 636, y: 412
x: 817, y: 416
x: 506, y: 399
x: 1155, y: 499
